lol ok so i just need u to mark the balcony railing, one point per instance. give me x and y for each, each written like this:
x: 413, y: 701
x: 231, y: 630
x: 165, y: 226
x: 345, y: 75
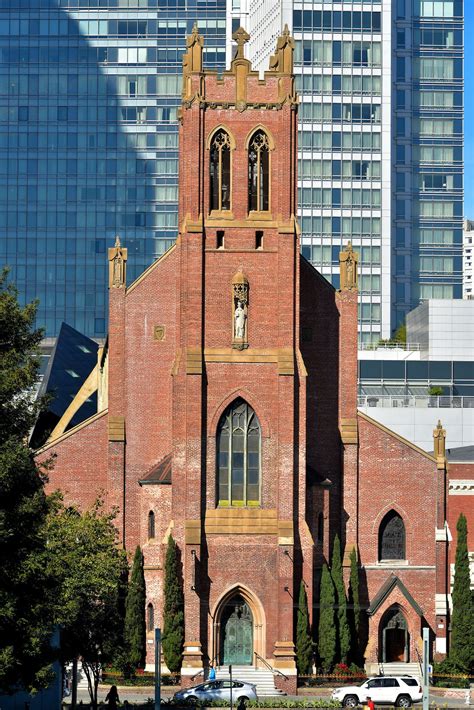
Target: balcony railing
x: 421, y: 402
x: 390, y: 346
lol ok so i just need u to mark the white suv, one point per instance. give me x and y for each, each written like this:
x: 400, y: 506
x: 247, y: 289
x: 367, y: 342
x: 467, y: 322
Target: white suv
x: 401, y: 691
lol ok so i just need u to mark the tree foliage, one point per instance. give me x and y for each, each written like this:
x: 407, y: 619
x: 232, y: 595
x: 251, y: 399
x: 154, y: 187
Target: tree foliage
x: 85, y: 557
x: 26, y: 589
x: 354, y: 608
x: 304, y: 644
x: 462, y: 621
x: 342, y: 625
x: 327, y: 627
x: 135, y: 630
x: 173, y: 611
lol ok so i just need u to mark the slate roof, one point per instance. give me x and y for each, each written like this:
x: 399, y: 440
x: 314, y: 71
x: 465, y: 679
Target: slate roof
x: 392, y: 582
x: 158, y: 474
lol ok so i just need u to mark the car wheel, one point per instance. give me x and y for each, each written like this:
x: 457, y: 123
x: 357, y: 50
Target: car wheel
x: 350, y: 701
x: 243, y: 699
x: 403, y: 701
x: 192, y: 699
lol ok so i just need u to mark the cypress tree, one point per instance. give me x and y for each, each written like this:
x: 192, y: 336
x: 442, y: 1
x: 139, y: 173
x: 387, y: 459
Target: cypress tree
x: 135, y: 631
x: 304, y: 644
x: 342, y: 624
x: 462, y: 621
x: 173, y: 612
x: 354, y: 607
x: 327, y: 628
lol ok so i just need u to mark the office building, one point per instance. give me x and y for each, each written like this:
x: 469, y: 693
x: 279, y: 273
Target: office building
x: 88, y: 142
x: 468, y: 247
x: 380, y: 142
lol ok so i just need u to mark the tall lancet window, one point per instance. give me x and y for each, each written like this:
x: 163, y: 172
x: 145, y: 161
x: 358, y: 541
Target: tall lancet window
x: 238, y: 456
x: 220, y: 171
x: 258, y: 172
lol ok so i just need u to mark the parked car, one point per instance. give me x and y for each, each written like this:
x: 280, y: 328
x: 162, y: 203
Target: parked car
x: 218, y: 690
x: 401, y: 691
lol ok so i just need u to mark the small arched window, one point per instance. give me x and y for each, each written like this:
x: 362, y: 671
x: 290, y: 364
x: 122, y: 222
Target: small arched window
x: 238, y: 456
x: 150, y: 617
x: 258, y: 177
x: 392, y: 537
x: 151, y: 525
x: 220, y: 171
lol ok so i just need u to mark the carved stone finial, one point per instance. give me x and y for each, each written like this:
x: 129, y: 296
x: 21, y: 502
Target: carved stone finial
x: 192, y: 59
x: 439, y: 441
x: 348, y: 268
x: 117, y: 265
x: 241, y: 37
x: 282, y: 60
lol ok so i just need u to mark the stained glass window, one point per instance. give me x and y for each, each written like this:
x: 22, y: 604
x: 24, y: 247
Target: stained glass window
x: 220, y: 171
x: 258, y: 172
x: 392, y: 537
x: 238, y: 456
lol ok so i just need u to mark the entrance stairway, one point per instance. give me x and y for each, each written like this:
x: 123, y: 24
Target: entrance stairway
x: 401, y: 669
x: 260, y: 677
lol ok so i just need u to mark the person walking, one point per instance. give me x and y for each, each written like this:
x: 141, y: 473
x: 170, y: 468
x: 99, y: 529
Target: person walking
x: 212, y: 673
x: 112, y: 697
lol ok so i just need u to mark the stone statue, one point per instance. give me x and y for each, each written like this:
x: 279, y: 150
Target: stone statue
x: 117, y: 265
x: 348, y: 268
x: 239, y: 318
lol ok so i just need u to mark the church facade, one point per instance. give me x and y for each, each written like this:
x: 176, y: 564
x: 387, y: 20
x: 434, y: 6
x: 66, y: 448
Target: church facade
x: 227, y: 406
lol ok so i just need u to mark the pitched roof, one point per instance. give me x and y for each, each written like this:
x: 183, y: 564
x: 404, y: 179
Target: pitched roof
x: 158, y: 474
x: 384, y: 591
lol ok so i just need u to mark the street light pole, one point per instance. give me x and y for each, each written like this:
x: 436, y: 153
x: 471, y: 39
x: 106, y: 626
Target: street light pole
x: 157, y: 669
x: 426, y: 661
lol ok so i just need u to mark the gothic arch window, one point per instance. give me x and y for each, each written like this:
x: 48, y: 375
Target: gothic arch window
x: 150, y: 617
x: 238, y: 456
x: 258, y: 169
x: 392, y: 537
x: 220, y: 171
x: 151, y: 525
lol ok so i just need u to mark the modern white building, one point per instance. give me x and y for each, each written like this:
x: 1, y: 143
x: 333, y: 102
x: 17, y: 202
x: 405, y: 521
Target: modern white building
x: 467, y: 253
x: 408, y: 388
x: 380, y: 142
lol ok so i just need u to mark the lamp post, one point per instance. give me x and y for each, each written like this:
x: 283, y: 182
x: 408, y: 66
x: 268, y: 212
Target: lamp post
x: 157, y: 669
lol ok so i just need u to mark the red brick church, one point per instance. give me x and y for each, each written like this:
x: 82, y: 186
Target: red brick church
x: 227, y: 405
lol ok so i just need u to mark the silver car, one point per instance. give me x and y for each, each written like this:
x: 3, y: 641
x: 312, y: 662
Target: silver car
x: 218, y: 690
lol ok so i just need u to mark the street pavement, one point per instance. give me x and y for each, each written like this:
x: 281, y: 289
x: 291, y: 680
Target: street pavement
x: 140, y: 695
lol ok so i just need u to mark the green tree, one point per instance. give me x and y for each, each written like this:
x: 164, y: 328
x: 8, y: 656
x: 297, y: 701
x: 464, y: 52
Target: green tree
x: 462, y: 620
x: 304, y: 644
x: 327, y: 627
x: 400, y: 335
x: 26, y: 589
x: 354, y: 608
x: 135, y: 631
x: 173, y: 612
x: 85, y: 557
x: 342, y: 624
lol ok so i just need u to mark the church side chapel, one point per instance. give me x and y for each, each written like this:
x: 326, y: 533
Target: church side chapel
x: 227, y: 407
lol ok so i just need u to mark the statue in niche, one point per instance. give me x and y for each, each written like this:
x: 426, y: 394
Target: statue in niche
x: 240, y: 318
x: 348, y: 259
x: 117, y: 264
x: 240, y: 301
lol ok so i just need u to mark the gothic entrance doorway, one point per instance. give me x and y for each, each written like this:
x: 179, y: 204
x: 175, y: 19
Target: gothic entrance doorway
x: 236, y: 638
x: 395, y: 637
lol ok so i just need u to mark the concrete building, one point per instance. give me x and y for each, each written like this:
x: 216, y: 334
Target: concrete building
x: 467, y: 259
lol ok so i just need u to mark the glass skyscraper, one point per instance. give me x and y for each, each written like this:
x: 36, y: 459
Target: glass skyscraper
x: 380, y: 143
x: 89, y: 91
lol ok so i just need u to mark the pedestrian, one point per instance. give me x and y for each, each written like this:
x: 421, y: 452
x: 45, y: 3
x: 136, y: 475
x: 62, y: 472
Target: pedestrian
x: 370, y: 703
x: 112, y: 697
x: 212, y: 673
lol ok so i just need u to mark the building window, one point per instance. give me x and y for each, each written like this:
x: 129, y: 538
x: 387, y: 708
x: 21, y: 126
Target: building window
x: 150, y: 617
x: 392, y: 537
x: 220, y: 171
x: 258, y: 172
x: 238, y: 456
x: 151, y: 525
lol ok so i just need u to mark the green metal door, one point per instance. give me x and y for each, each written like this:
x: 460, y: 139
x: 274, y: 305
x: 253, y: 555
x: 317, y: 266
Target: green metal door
x: 237, y: 633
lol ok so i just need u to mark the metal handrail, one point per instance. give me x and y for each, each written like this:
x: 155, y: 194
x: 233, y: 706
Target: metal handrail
x: 202, y: 671
x: 401, y: 401
x: 275, y: 671
x: 420, y: 662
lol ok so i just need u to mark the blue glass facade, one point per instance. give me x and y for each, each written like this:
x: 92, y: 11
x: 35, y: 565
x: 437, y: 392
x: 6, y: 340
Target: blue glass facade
x: 89, y: 91
x: 427, y: 177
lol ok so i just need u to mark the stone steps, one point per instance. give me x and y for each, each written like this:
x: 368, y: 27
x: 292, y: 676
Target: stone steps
x: 262, y: 678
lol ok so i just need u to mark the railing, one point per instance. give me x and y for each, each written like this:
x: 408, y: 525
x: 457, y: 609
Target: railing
x: 410, y: 401
x: 203, y: 670
x: 390, y: 346
x: 420, y: 662
x: 275, y: 671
